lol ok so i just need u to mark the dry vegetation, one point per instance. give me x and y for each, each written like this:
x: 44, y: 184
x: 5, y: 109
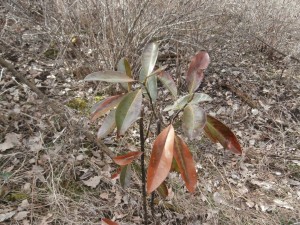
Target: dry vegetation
x: 254, y: 79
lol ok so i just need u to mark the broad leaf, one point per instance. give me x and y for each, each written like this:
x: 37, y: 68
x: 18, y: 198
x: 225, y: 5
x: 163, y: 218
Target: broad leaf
x: 152, y: 87
x: 193, y: 121
x: 108, y: 125
x: 168, y: 82
x: 124, y: 66
x: 128, y: 111
x: 108, y: 222
x: 109, y: 76
x: 185, y: 163
x: 149, y: 58
x: 161, y: 158
x: 163, y: 190
x: 125, y: 176
x: 126, y: 159
x: 218, y: 132
x: 195, y: 73
x: 100, y: 108
x: 182, y: 101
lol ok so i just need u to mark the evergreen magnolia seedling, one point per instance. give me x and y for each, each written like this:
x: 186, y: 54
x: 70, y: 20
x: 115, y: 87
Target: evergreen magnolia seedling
x: 169, y: 150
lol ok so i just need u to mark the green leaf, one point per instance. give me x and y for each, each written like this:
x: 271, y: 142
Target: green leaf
x: 126, y: 159
x: 149, y: 58
x: 125, y: 176
x: 101, y: 107
x: 109, y: 76
x: 185, y: 163
x: 124, y: 66
x: 218, y: 132
x: 181, y: 102
x: 195, y: 73
x: 161, y: 158
x: 128, y: 111
x: 168, y: 82
x: 193, y: 121
x: 163, y: 190
x: 152, y: 87
x: 108, y: 125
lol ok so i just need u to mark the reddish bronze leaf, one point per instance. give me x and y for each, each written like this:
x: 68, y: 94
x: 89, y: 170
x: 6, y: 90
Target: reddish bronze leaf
x: 100, y: 108
x: 116, y: 174
x: 185, y: 163
x: 195, y: 73
x: 218, y: 132
x: 161, y: 158
x: 123, y: 160
x: 108, y: 222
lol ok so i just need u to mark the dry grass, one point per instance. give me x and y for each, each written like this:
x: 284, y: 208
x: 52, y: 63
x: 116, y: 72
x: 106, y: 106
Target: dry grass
x: 109, y: 30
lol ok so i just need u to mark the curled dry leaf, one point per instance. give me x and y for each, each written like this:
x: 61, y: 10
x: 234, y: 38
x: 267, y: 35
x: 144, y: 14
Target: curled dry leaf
x: 93, y: 181
x: 126, y: 159
x: 161, y: 158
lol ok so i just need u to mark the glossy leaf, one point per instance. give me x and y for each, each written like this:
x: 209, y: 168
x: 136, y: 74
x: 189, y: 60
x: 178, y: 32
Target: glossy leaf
x: 185, y: 163
x: 108, y: 222
x: 161, y: 158
x: 128, y: 111
x: 193, y: 121
x: 163, y: 190
x: 108, y: 125
x: 218, y: 132
x: 125, y: 176
x: 124, y: 66
x: 195, y: 73
x: 126, y: 159
x: 182, y: 101
x: 109, y: 76
x: 152, y: 87
x: 149, y: 58
x: 100, y: 108
x: 168, y: 82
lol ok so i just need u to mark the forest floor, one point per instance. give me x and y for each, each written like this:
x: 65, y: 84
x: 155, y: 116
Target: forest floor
x: 51, y: 174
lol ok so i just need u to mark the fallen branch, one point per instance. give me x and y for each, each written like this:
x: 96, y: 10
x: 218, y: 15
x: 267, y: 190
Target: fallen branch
x: 57, y: 108
x: 276, y: 50
x: 240, y: 94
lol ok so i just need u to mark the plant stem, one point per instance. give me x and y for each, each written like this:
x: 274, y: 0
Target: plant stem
x: 142, y: 141
x: 158, y: 129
